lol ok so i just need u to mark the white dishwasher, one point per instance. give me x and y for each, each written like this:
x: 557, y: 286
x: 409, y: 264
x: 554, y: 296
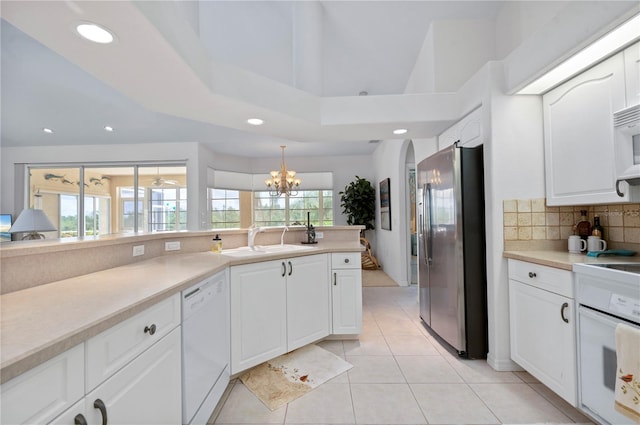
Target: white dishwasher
x: 205, y: 347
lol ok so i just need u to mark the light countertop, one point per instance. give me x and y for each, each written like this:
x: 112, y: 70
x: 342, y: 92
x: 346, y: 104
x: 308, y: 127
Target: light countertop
x: 41, y: 322
x: 564, y: 259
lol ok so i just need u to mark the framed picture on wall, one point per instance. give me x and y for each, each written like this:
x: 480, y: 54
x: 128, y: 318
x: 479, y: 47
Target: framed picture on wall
x: 385, y: 204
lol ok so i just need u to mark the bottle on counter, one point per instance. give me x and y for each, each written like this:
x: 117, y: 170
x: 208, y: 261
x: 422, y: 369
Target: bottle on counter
x: 583, y: 227
x: 597, y: 230
x: 217, y: 245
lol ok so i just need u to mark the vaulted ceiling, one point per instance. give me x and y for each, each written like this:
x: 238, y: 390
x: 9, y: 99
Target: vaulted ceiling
x: 194, y: 71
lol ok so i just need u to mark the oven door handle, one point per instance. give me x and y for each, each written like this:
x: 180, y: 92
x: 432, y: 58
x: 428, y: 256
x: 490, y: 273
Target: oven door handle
x: 562, y: 310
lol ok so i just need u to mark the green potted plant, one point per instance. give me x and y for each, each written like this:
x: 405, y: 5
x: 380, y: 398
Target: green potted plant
x: 358, y: 202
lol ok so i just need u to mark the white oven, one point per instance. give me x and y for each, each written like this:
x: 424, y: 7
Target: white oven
x: 607, y: 294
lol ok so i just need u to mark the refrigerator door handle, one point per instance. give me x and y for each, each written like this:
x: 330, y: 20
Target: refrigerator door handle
x: 427, y: 240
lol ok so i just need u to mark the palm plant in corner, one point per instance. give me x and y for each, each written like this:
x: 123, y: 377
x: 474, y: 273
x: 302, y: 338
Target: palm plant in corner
x: 358, y: 202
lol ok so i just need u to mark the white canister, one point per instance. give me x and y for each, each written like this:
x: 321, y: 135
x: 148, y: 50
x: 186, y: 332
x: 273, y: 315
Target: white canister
x: 596, y: 244
x: 577, y: 244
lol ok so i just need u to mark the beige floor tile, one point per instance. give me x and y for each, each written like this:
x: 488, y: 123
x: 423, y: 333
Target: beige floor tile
x: 333, y: 345
x: 427, y: 370
x: 367, y: 345
x: 518, y: 404
x: 385, y: 404
x: 242, y: 407
x: 326, y: 404
x: 559, y: 402
x: 374, y: 370
x: 452, y: 404
x: 526, y: 377
x: 398, y: 327
x: 479, y: 372
x: 411, y: 345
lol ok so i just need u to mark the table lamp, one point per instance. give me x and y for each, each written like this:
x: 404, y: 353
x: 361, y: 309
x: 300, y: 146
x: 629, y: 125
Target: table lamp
x: 31, y: 221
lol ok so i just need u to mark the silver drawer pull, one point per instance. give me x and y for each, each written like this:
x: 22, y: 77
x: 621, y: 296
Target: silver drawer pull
x: 562, y: 309
x: 346, y: 260
x: 532, y: 275
x: 150, y: 329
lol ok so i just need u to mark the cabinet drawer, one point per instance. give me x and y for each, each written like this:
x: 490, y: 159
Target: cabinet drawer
x: 548, y: 278
x: 45, y: 391
x: 109, y: 351
x: 346, y: 260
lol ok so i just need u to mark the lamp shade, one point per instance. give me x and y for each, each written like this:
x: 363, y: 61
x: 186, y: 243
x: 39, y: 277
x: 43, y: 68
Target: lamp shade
x: 32, y: 220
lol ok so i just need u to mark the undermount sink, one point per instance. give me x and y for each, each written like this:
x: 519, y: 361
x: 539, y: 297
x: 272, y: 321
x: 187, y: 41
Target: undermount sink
x: 244, y: 251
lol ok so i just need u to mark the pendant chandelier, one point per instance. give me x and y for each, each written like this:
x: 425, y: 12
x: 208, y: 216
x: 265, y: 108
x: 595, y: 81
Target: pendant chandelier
x: 283, y: 182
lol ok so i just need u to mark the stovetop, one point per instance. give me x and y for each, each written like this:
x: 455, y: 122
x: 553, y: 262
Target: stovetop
x: 631, y: 267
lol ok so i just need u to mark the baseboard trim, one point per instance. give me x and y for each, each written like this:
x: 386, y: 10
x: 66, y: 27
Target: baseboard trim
x: 503, y: 365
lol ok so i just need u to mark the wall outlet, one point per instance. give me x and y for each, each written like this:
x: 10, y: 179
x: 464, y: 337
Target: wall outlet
x: 319, y: 235
x: 138, y: 250
x: 172, y: 246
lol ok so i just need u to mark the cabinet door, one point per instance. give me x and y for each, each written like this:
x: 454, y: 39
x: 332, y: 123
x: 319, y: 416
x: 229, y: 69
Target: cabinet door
x: 632, y: 72
x: 346, y: 297
x: 541, y: 341
x: 146, y: 391
x: 258, y: 313
x: 37, y: 396
x: 71, y: 415
x: 308, y: 304
x: 579, y: 136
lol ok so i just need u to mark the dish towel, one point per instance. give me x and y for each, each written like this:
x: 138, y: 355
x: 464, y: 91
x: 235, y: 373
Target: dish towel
x: 627, y: 400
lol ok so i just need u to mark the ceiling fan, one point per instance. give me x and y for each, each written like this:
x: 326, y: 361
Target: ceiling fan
x: 159, y: 181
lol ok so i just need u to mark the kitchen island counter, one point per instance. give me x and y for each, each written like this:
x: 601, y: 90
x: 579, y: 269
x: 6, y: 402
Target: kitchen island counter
x: 564, y: 259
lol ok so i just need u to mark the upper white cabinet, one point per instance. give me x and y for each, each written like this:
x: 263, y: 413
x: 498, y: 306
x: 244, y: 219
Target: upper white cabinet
x: 632, y: 72
x: 542, y: 325
x: 468, y: 131
x: 276, y: 307
x: 579, y: 136
x: 346, y: 292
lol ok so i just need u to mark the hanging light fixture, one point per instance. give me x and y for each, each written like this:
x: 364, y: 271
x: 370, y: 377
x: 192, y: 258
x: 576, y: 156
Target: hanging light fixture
x: 283, y: 182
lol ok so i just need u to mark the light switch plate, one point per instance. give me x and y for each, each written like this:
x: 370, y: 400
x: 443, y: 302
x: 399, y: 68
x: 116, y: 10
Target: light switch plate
x: 172, y: 246
x: 138, y: 250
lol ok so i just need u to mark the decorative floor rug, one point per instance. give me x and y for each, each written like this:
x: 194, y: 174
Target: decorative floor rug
x: 285, y: 378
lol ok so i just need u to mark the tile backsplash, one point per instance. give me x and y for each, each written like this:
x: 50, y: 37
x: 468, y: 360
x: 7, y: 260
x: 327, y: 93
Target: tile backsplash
x: 533, y: 220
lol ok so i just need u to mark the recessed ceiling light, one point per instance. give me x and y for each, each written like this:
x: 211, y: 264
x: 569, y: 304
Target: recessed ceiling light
x: 47, y: 130
x: 108, y: 128
x: 95, y: 33
x: 400, y: 131
x: 255, y: 121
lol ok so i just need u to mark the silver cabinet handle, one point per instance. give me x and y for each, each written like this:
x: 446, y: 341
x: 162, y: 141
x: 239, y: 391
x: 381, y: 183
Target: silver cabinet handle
x: 346, y: 261
x: 150, y: 329
x: 562, y: 310
x: 532, y: 275
x: 335, y: 279
x: 99, y: 404
x: 284, y: 269
x: 290, y: 268
x: 79, y: 420
x: 618, y: 191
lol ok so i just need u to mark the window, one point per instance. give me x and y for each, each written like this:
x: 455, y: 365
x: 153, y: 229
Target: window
x: 225, y: 208
x: 99, y: 199
x: 292, y: 210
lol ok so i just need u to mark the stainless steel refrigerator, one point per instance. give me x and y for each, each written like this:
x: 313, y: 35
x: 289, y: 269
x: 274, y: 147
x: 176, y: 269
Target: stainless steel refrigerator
x: 451, y: 248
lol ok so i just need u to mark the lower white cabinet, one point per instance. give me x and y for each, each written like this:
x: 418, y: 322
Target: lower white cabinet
x: 37, y: 396
x: 276, y: 307
x: 146, y: 391
x: 346, y: 293
x: 542, y: 325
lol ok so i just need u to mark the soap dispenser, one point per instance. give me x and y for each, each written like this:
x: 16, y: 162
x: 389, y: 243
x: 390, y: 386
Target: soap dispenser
x: 217, y: 245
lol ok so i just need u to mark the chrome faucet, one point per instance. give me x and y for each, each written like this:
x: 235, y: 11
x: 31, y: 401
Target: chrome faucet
x: 251, y: 235
x: 282, y: 236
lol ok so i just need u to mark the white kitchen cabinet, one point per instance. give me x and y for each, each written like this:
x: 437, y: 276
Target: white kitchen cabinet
x: 146, y: 391
x: 258, y: 313
x: 276, y: 307
x: 308, y: 300
x: 542, y: 325
x: 468, y: 131
x: 37, y: 396
x: 114, y: 348
x: 579, y: 136
x: 346, y: 293
x: 632, y: 73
